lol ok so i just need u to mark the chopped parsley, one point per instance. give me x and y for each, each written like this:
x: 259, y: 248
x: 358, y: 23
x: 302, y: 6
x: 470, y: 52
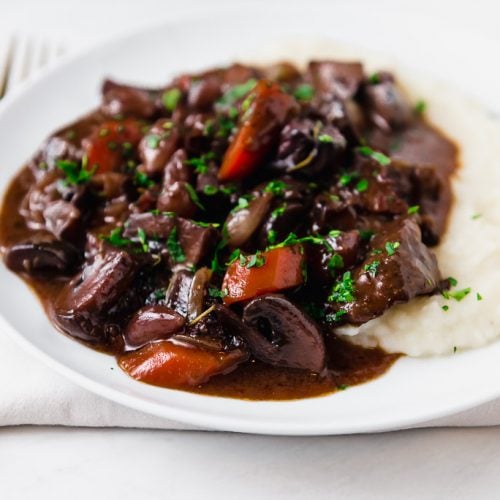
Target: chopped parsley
x: 374, y: 78
x: 325, y: 138
x: 235, y: 255
x: 210, y: 190
x: 479, y: 296
x: 255, y: 260
x: 143, y: 240
x: 116, y: 239
x: 200, y: 164
x: 333, y: 318
x: 153, y: 141
x: 336, y: 262
x: 476, y: 216
x: 362, y: 185
x: 277, y: 212
x: 413, y: 209
x: 75, y: 173
x: 237, y: 92
x: 420, y: 107
x: 342, y: 387
x: 304, y: 92
x: 457, y: 295
x: 271, y: 236
x: 276, y: 187
x: 372, y: 268
x: 193, y: 196
x: 374, y: 155
x: 343, y: 290
x: 142, y: 180
x: 445, y: 308
x: 171, y: 98
x: 347, y: 178
x: 174, y: 247
x: 242, y: 204
x: 334, y: 233
x: 391, y: 247
x: 217, y: 294
x: 452, y: 281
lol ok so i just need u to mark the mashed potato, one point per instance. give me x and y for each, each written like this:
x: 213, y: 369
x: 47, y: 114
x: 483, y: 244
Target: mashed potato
x: 470, y: 249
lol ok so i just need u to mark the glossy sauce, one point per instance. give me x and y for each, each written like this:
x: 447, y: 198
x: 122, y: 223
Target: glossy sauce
x: 348, y: 364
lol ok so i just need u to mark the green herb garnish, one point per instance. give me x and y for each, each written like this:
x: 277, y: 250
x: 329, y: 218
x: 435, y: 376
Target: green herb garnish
x: 153, y: 141
x: 456, y: 295
x: 271, y: 236
x: 413, y: 209
x: 276, y: 187
x: 420, y: 107
x: 277, y: 212
x: 372, y: 268
x: 218, y: 294
x: 343, y: 290
x: 336, y: 262
x: 234, y: 94
x: 174, y: 247
x: 143, y: 240
x: 116, y: 239
x: 200, y: 164
x: 374, y: 155
x: 362, y: 185
x: 193, y: 195
x: 391, y: 247
x: 142, y: 180
x: 333, y: 318
x: 325, y: 138
x: 255, y: 260
x: 171, y: 98
x: 304, y: 92
x: 75, y: 173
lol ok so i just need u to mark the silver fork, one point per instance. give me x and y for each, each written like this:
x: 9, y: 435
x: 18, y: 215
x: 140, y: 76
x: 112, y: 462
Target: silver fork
x: 20, y: 56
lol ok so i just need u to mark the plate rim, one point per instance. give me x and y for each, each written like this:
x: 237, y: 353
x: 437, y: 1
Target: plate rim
x: 194, y: 417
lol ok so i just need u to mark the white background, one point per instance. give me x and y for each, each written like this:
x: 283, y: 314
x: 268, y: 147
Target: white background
x: 39, y: 463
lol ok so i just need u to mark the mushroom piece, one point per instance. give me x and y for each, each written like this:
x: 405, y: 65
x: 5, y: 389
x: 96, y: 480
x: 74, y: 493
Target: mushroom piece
x: 40, y: 257
x: 282, y: 335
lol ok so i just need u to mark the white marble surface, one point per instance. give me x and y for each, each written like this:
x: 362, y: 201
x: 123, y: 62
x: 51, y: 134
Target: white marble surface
x: 58, y: 462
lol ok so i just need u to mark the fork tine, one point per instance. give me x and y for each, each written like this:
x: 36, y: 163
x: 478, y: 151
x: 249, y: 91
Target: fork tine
x: 7, y: 67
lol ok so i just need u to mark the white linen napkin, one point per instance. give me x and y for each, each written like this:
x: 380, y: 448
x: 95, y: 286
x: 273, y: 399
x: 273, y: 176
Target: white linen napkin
x: 33, y: 394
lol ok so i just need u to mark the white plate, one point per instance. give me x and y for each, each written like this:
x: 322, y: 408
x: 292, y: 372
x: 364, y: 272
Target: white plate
x: 414, y: 390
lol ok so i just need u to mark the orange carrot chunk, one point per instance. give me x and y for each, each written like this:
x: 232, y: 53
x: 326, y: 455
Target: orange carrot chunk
x: 281, y: 269
x: 268, y: 112
x: 167, y: 364
x: 107, y: 148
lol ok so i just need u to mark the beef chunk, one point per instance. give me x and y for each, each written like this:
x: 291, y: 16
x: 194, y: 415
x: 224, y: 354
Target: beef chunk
x: 338, y: 78
x: 196, y: 241
x: 399, y: 268
x: 118, y: 99
x: 83, y: 303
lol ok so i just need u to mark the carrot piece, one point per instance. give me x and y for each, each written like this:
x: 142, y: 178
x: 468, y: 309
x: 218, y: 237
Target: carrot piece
x: 167, y: 364
x: 282, y: 269
x: 268, y: 112
x: 107, y: 146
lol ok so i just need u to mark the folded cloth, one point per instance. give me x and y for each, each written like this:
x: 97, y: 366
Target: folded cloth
x: 33, y: 394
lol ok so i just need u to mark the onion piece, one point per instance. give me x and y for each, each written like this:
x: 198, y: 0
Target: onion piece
x: 196, y: 302
x: 242, y: 224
